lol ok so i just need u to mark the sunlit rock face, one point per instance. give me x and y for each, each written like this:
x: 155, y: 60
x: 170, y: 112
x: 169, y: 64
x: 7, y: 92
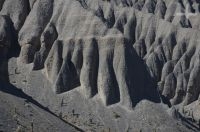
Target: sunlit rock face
x: 124, y: 51
x: 80, y: 46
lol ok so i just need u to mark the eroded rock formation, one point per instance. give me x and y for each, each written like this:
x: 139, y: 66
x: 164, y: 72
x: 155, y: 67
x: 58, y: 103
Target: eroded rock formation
x: 122, y: 50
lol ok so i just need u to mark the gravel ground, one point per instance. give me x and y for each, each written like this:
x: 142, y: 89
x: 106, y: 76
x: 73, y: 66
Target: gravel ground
x: 21, y: 113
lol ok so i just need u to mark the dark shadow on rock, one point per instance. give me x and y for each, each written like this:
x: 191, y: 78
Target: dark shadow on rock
x: 114, y: 93
x: 10, y: 50
x: 166, y: 101
x: 14, y: 49
x: 142, y: 85
x: 68, y: 78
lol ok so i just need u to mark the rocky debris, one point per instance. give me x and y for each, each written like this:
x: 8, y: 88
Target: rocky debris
x: 20, y: 113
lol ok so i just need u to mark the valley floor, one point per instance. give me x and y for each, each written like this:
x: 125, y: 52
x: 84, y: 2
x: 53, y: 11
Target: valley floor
x: 20, y: 113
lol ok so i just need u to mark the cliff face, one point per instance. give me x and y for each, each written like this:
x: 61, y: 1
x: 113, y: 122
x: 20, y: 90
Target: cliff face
x: 122, y: 51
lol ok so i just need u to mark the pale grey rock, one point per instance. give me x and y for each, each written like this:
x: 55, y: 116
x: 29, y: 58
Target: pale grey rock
x: 33, y: 27
x: 167, y: 69
x: 140, y: 48
x: 179, y: 50
x: 17, y: 10
x: 193, y: 84
x: 181, y: 88
x: 54, y: 61
x: 154, y: 66
x: 87, y: 65
x: 47, y: 39
x: 169, y: 86
x: 160, y: 9
x: 149, y: 6
x: 31, y: 3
